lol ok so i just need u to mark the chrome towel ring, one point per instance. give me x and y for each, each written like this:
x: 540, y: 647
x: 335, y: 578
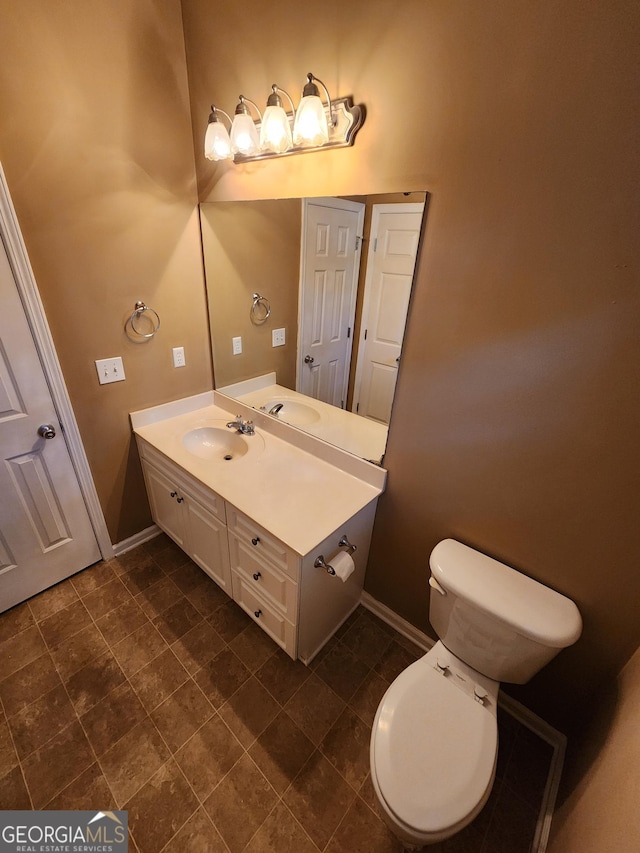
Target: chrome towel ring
x: 138, y: 311
x: 260, y: 309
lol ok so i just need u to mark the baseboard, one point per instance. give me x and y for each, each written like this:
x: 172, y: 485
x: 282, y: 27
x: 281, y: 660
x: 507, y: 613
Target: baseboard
x: 137, y: 539
x: 518, y: 711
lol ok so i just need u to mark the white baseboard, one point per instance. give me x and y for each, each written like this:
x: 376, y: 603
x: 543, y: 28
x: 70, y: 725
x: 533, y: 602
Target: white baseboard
x: 137, y: 539
x: 516, y: 709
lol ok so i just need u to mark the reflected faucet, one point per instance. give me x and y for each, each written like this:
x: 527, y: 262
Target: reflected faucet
x: 242, y: 426
x: 275, y: 409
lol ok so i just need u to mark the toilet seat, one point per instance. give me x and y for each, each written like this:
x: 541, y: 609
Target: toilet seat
x: 433, y: 749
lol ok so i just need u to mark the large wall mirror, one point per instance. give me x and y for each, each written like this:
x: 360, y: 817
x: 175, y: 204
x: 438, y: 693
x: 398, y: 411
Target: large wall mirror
x: 308, y: 300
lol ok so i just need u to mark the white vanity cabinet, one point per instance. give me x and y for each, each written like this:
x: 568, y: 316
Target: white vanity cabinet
x: 192, y: 515
x: 299, y: 604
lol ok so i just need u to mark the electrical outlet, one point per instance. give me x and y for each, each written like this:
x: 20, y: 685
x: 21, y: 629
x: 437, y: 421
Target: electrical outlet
x: 178, y: 357
x: 237, y: 345
x: 277, y: 338
x: 110, y: 370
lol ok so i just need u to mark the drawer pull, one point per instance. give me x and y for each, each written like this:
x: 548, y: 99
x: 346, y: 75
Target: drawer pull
x: 256, y: 576
x: 257, y: 613
x: 255, y: 540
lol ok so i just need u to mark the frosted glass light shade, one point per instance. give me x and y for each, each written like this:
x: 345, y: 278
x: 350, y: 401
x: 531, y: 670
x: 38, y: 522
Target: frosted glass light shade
x: 244, y: 135
x: 217, y: 145
x: 275, y: 132
x: 310, y: 127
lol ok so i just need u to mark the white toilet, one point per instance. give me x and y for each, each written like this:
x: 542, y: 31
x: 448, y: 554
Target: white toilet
x: 434, y: 741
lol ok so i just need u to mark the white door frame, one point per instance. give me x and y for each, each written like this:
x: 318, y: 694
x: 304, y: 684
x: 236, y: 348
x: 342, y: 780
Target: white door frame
x: 404, y: 207
x: 338, y: 204
x: 28, y: 290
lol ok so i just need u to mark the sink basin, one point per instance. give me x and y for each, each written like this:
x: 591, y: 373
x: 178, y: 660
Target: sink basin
x: 293, y: 412
x: 220, y: 443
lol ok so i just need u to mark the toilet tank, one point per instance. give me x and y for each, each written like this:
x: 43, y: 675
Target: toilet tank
x: 502, y: 623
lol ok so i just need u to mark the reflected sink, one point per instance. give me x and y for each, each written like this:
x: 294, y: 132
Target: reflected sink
x: 220, y: 443
x: 292, y: 412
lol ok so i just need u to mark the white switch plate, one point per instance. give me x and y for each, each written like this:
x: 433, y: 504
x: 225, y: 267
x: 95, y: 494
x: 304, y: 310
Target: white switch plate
x: 178, y: 357
x: 237, y: 345
x: 110, y: 370
x: 277, y: 338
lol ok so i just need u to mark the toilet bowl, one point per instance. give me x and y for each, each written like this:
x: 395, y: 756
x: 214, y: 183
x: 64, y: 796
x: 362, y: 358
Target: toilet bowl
x: 433, y: 748
x: 434, y: 740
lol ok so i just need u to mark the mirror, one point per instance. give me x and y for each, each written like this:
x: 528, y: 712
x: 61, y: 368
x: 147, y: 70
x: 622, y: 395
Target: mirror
x: 335, y: 277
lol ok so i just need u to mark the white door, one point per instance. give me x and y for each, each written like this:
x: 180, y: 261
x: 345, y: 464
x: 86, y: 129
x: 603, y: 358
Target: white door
x: 328, y: 285
x: 45, y: 530
x: 391, y: 261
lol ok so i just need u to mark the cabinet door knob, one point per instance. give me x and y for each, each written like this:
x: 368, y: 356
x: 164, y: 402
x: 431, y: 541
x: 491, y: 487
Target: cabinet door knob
x: 257, y: 613
x: 174, y: 494
x: 255, y: 540
x: 256, y: 576
x: 180, y: 500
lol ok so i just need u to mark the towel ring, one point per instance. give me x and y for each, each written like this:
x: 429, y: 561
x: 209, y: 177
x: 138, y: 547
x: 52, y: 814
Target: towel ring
x: 260, y: 309
x: 137, y: 312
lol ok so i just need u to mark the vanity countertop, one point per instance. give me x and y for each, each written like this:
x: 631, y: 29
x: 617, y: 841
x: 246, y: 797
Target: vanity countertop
x: 289, y: 491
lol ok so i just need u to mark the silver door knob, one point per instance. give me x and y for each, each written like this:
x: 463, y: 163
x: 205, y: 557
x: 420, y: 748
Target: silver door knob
x: 47, y: 431
x: 308, y: 359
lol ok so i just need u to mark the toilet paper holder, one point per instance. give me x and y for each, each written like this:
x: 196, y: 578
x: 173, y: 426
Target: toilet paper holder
x: 320, y: 562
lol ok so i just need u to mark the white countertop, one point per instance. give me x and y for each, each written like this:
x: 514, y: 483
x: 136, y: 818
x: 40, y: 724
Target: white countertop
x: 289, y: 491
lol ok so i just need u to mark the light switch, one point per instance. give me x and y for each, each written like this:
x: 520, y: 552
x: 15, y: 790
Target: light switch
x: 277, y: 338
x: 110, y: 370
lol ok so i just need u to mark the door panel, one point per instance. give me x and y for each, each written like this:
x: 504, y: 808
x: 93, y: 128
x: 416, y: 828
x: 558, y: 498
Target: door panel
x: 329, y: 280
x: 390, y: 266
x: 45, y: 530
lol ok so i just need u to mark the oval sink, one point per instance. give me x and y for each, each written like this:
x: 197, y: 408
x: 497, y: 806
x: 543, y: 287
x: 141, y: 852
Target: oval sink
x: 292, y: 412
x: 220, y: 443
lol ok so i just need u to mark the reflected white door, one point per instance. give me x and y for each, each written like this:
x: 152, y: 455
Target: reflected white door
x: 391, y: 261
x: 45, y: 531
x: 329, y: 280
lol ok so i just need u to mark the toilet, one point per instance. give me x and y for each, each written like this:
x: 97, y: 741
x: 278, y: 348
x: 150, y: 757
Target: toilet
x: 434, y: 740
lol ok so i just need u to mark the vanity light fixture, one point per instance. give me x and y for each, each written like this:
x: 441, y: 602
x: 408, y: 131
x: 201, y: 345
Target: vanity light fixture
x: 313, y: 126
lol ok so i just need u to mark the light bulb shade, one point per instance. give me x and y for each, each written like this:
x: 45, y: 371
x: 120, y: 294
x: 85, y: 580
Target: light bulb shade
x: 217, y: 145
x: 310, y: 127
x: 244, y: 135
x: 275, y: 131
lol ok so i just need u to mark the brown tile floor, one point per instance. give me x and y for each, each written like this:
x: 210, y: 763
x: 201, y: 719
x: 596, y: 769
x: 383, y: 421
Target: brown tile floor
x: 138, y: 684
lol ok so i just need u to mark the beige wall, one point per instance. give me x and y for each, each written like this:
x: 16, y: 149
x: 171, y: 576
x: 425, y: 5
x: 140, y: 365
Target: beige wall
x: 252, y: 247
x: 516, y: 422
x: 599, y: 811
x: 95, y: 142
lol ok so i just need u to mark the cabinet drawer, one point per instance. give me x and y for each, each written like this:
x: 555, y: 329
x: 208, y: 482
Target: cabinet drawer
x: 265, y: 580
x: 266, y: 546
x: 269, y: 619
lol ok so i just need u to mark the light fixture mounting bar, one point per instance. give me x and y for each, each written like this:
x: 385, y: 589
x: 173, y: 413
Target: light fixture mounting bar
x: 344, y: 119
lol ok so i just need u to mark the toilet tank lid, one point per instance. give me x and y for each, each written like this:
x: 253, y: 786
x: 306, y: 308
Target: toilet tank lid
x: 530, y: 608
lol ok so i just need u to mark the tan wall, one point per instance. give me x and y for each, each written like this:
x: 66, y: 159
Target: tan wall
x: 516, y: 421
x: 252, y: 247
x: 95, y: 142
x: 601, y: 812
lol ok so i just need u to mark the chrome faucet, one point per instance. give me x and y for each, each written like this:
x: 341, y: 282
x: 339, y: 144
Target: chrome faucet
x: 275, y: 409
x: 245, y: 427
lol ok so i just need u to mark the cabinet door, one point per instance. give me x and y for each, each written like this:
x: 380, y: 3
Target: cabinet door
x: 166, y: 504
x: 207, y: 543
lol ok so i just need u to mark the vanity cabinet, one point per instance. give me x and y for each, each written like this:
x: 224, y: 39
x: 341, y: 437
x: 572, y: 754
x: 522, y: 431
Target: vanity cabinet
x: 192, y: 515
x: 298, y: 604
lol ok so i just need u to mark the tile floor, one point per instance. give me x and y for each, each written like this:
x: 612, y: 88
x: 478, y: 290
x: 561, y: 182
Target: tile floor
x: 138, y: 684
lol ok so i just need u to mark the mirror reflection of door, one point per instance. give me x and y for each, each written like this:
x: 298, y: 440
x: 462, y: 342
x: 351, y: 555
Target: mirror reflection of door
x: 391, y: 260
x: 329, y: 265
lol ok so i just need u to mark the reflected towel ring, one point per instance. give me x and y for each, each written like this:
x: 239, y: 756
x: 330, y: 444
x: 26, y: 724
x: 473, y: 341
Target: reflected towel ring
x: 137, y: 313
x: 260, y: 309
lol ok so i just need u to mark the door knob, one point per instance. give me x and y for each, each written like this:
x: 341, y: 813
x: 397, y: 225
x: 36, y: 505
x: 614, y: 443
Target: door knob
x: 47, y: 431
x: 308, y: 359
